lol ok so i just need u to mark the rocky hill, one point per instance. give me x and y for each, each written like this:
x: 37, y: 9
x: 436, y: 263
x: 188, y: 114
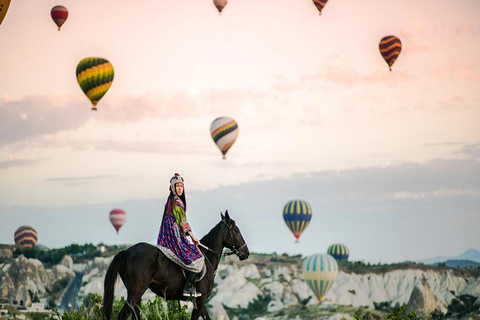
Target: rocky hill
x: 24, y: 280
x: 265, y: 286
x: 273, y: 285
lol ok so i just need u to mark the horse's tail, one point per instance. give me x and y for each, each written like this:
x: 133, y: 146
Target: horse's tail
x: 109, y: 284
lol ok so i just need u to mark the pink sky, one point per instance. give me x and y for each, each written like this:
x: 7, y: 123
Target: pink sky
x: 309, y: 93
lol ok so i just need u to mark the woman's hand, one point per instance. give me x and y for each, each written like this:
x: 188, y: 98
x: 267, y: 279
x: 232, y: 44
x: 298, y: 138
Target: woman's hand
x: 195, y: 240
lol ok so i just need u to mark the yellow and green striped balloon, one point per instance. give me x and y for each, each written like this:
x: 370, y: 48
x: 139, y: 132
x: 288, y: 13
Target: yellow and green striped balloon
x: 95, y: 76
x: 297, y: 215
x: 320, y: 271
x: 339, y: 251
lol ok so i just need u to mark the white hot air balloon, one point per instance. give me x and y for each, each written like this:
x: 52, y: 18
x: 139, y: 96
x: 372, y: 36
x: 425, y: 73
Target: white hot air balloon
x: 224, y: 132
x: 320, y: 271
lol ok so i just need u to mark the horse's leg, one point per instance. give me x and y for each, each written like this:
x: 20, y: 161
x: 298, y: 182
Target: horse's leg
x: 137, y: 314
x: 125, y: 312
x: 195, y: 314
x: 203, y: 308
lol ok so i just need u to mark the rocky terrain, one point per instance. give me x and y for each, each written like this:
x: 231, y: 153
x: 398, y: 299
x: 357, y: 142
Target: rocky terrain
x: 264, y: 285
x: 23, y: 280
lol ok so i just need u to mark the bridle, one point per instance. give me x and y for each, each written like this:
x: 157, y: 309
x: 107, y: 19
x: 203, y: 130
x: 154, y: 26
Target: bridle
x: 225, y: 253
x: 235, y: 250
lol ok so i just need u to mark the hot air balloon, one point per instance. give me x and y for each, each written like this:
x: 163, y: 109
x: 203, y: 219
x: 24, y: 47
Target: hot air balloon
x: 59, y: 15
x: 320, y: 4
x: 117, y: 218
x: 224, y: 132
x: 95, y: 76
x: 390, y: 47
x: 297, y: 215
x: 220, y: 4
x: 26, y: 236
x: 320, y: 271
x: 3, y: 9
x: 338, y: 251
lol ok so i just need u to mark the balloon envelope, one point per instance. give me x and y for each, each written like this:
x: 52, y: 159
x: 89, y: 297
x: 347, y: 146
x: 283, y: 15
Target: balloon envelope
x: 59, y: 15
x: 220, y: 4
x: 4, y: 4
x: 95, y: 76
x: 320, y: 4
x: 117, y: 218
x: 224, y: 132
x: 339, y: 251
x: 297, y: 215
x: 390, y: 47
x: 320, y: 271
x: 26, y: 236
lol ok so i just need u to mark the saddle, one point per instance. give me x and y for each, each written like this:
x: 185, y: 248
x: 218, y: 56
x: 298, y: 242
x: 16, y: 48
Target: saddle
x: 198, y: 276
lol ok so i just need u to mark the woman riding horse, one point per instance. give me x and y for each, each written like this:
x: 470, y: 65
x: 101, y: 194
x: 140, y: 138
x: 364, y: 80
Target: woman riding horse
x: 144, y: 266
x: 172, y: 237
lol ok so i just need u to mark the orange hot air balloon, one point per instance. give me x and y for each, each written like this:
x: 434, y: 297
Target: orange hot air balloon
x: 117, y: 218
x: 320, y: 4
x: 59, y: 15
x: 26, y: 236
x: 390, y: 47
x: 4, y: 4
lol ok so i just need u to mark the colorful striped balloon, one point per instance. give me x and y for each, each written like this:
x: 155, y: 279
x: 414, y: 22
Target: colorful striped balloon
x: 4, y: 4
x: 297, y: 215
x: 117, y: 218
x: 339, y: 251
x: 95, y: 76
x: 320, y: 4
x: 59, y: 15
x: 320, y: 271
x: 26, y: 236
x: 224, y: 132
x: 220, y: 4
x: 390, y: 47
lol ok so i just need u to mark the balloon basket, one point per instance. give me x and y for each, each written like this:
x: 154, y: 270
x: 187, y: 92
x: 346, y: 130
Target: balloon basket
x: 297, y: 241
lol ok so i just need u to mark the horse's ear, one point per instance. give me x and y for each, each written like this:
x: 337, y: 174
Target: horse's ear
x: 227, y: 215
x: 221, y: 215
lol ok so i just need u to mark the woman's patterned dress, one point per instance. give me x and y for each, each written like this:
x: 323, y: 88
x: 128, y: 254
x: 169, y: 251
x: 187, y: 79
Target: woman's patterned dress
x: 172, y: 238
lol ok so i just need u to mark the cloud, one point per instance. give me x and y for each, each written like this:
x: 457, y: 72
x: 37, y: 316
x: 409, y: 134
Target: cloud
x: 436, y: 203
x: 472, y: 150
x: 343, y: 70
x: 18, y: 163
x: 39, y: 115
x: 75, y: 181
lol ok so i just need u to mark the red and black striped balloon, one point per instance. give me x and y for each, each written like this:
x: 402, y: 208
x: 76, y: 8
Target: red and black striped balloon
x: 26, y: 236
x: 59, y: 15
x: 390, y: 47
x: 320, y: 4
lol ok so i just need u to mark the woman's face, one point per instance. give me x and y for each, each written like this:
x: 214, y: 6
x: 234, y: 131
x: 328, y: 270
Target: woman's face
x: 179, y: 188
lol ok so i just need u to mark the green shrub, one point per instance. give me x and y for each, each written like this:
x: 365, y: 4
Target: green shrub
x: 152, y: 310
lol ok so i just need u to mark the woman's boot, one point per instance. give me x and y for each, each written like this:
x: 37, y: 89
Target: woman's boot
x: 190, y: 288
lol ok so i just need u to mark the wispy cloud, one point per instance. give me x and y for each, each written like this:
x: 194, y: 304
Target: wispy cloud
x: 38, y: 115
x: 18, y: 163
x: 76, y: 181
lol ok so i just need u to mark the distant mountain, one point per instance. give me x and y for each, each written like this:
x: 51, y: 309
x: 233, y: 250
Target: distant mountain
x: 460, y: 264
x: 472, y: 255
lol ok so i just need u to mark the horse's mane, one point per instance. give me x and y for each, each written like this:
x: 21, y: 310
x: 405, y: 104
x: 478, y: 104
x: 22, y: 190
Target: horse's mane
x: 210, y: 236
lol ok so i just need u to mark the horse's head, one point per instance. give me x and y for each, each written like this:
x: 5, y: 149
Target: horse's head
x: 232, y: 237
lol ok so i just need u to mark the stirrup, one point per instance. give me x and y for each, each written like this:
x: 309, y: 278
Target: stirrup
x: 194, y: 294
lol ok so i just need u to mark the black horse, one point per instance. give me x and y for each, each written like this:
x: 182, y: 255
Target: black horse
x: 144, y: 266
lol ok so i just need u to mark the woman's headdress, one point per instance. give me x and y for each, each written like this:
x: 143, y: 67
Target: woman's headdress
x: 174, y: 180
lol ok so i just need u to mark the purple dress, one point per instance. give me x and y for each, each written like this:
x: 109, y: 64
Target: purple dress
x: 172, y: 239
